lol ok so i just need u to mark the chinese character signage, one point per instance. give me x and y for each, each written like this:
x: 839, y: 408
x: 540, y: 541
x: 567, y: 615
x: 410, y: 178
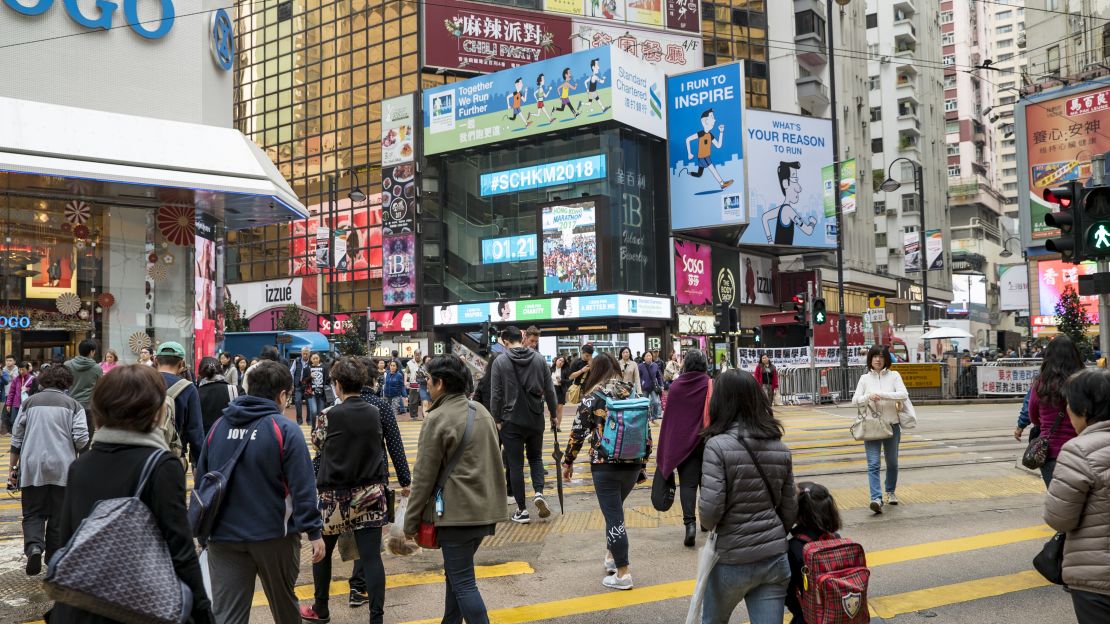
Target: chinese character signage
x: 399, y: 270
x: 672, y: 52
x: 675, y: 14
x: 480, y: 38
x: 1012, y: 380
x: 1060, y: 134
x: 1053, y: 276
x: 693, y: 273
x: 786, y: 155
x: 398, y: 130
x: 577, y: 89
x: 706, y: 155
x: 540, y: 176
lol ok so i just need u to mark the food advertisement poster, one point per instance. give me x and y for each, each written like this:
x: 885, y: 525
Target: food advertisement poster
x: 693, y: 273
x: 483, y: 38
x: 574, y: 90
x: 398, y: 130
x: 1054, y: 275
x: 786, y: 155
x: 706, y: 154
x: 399, y: 199
x: 569, y: 246
x: 1060, y: 135
x: 399, y: 270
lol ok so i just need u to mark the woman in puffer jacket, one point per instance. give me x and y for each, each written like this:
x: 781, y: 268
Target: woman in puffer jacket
x: 1078, y: 500
x: 751, y: 510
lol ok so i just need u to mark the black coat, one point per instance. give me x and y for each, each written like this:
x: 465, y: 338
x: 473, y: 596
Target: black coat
x: 112, y: 471
x: 214, y: 397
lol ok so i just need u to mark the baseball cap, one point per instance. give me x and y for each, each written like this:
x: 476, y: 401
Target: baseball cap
x: 172, y: 349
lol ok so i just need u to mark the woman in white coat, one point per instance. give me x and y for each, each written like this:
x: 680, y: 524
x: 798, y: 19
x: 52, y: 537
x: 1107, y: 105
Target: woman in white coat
x: 883, y: 389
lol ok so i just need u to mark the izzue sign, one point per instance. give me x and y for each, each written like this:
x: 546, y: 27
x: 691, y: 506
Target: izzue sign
x: 540, y: 176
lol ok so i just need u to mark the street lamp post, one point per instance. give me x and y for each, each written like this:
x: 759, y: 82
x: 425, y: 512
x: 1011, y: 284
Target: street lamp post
x: 890, y: 185
x: 842, y: 319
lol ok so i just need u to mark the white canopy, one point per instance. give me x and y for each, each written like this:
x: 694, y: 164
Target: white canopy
x: 115, y: 154
x: 945, y: 332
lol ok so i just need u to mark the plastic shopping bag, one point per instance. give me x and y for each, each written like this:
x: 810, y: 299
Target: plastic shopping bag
x: 205, y: 574
x: 707, y: 558
x: 395, y: 542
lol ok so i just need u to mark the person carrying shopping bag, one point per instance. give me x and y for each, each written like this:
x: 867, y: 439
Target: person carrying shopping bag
x: 881, y: 389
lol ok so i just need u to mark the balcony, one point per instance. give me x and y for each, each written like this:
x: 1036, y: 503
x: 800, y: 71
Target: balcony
x: 813, y: 95
x: 811, y: 49
x: 904, y: 50
x: 907, y: 7
x: 909, y: 125
x: 904, y: 33
x: 907, y: 89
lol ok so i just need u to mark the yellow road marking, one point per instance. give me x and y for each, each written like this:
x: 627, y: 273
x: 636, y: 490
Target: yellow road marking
x: 883, y: 606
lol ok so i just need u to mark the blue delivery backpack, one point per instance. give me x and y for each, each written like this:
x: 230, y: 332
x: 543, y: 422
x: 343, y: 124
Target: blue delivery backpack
x: 625, y: 433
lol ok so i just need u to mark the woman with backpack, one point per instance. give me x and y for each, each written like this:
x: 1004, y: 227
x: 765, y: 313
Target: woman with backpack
x: 214, y: 390
x: 748, y: 498
x: 1078, y: 501
x: 1046, y: 402
x: 680, y: 443
x: 818, y: 518
x: 352, y: 482
x: 613, y: 478
x: 127, y: 404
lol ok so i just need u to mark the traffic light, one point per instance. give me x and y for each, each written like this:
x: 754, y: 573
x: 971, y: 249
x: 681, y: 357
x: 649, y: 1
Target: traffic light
x: 818, y: 311
x: 487, y: 337
x: 758, y: 332
x: 1068, y: 219
x: 1096, y: 223
x: 800, y: 309
x: 721, y: 314
x: 733, y: 320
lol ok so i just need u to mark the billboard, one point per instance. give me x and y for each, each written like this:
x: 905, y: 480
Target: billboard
x: 398, y: 130
x: 693, y: 273
x: 398, y: 198
x: 509, y: 249
x: 673, y: 53
x: 706, y: 155
x: 846, y: 187
x: 786, y: 155
x: 569, y: 247
x: 675, y: 14
x: 483, y: 38
x: 934, y: 248
x: 1053, y: 276
x: 1013, y: 287
x: 541, y: 176
x: 399, y: 270
x: 568, y: 307
x: 358, y: 252
x: 1060, y: 133
x: 756, y: 283
x: 574, y: 90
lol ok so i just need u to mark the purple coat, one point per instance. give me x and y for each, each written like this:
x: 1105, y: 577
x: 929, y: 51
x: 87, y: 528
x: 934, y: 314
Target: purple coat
x: 1043, y: 414
x: 682, y: 421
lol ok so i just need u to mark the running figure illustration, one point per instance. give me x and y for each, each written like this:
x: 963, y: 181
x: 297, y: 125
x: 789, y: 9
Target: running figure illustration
x: 593, y: 98
x: 541, y: 93
x: 785, y: 216
x: 706, y: 142
x: 515, y: 100
x: 564, y: 93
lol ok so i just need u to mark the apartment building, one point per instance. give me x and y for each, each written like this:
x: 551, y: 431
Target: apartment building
x: 1006, y: 24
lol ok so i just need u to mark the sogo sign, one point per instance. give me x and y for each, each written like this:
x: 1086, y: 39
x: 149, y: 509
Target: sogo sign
x: 15, y: 322
x: 107, y: 9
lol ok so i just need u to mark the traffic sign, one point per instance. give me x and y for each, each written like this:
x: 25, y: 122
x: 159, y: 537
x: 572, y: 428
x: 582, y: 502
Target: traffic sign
x: 876, y: 301
x: 877, y: 315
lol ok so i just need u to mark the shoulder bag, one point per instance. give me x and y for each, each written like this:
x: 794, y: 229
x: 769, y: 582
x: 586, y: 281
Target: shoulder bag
x: 869, y: 426
x: 426, y: 535
x: 762, y: 475
x: 1036, y: 454
x: 1050, y: 561
x: 121, y: 534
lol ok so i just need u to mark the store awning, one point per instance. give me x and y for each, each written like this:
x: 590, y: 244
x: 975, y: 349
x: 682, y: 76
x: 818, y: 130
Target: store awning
x: 50, y: 150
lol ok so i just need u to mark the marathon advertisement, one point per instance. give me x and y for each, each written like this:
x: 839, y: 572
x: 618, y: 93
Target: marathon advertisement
x: 1060, y: 131
x: 570, y: 307
x: 785, y: 155
x: 484, y: 38
x: 706, y: 154
x: 569, y: 247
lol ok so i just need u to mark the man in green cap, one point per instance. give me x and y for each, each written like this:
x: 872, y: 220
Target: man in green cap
x: 186, y: 399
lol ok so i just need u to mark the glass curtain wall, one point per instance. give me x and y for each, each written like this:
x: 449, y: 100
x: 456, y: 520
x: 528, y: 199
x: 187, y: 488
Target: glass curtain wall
x: 736, y: 30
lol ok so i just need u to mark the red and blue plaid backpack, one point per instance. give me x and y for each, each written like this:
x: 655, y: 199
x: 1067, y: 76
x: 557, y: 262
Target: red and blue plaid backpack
x: 834, y: 582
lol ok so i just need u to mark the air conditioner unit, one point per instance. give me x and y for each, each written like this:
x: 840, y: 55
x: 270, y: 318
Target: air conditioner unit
x: 894, y: 251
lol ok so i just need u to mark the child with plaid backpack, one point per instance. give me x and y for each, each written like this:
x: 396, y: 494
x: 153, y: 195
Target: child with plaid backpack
x: 828, y: 575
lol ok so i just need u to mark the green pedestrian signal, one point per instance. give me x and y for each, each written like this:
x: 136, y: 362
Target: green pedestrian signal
x: 1098, y: 239
x: 818, y: 311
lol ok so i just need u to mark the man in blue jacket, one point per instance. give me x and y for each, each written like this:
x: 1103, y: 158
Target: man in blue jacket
x: 270, y: 501
x: 186, y: 399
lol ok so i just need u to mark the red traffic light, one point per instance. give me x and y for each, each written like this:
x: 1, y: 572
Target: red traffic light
x: 799, y: 298
x: 1060, y: 195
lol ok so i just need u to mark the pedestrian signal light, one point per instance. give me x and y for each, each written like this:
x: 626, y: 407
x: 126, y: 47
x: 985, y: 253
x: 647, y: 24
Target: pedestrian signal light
x: 818, y: 311
x: 800, y: 309
x: 1068, y: 221
x: 1096, y: 220
x: 758, y: 335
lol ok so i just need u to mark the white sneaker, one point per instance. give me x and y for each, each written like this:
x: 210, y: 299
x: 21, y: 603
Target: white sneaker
x: 541, y: 506
x: 521, y: 517
x: 610, y: 566
x: 618, y: 582
x: 891, y: 499
x: 877, y: 505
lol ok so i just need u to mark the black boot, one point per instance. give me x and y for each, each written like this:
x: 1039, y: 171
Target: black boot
x: 691, y: 532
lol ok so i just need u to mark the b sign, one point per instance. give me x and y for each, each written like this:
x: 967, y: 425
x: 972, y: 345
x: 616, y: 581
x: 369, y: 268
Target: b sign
x: 106, y: 11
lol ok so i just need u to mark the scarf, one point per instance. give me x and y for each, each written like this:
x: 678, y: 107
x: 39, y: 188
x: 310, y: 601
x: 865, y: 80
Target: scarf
x: 680, y: 433
x: 109, y: 435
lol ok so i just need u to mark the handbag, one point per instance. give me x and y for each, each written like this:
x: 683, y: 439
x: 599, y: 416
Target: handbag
x: 121, y: 534
x: 869, y: 426
x: 426, y: 535
x: 574, y: 394
x: 907, y: 415
x: 662, y: 491
x: 1036, y: 454
x: 707, y: 558
x: 1050, y: 561
x: 705, y: 408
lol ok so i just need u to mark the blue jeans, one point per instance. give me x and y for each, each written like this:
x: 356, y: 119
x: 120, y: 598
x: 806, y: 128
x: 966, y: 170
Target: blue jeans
x: 314, y: 406
x: 761, y: 585
x: 889, y: 448
x: 1047, y: 469
x: 656, y: 408
x: 463, y: 601
x: 298, y: 399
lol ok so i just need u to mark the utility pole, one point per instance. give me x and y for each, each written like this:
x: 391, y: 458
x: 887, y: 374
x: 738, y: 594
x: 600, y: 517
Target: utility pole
x: 1098, y: 177
x: 842, y: 319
